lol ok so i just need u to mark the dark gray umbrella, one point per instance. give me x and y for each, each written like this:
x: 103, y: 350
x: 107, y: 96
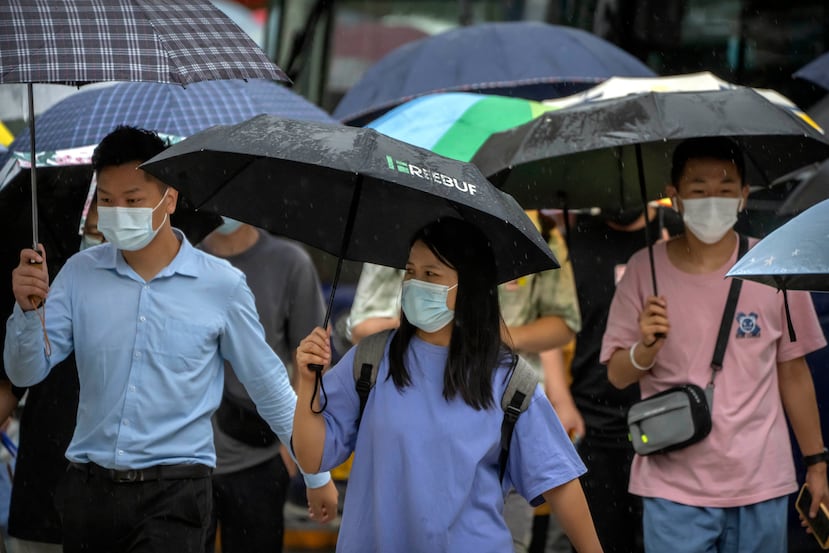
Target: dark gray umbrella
x: 84, y: 41
x: 586, y: 156
x: 616, y: 154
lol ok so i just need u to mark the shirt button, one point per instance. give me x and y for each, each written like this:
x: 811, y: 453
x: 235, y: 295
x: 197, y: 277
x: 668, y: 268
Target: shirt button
x: 132, y: 388
x: 137, y: 354
x: 120, y: 452
x: 126, y: 422
x: 142, y: 318
x: 146, y: 287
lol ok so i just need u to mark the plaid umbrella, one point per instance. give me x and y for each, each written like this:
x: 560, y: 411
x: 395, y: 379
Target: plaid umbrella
x: 83, y: 41
x: 86, y: 117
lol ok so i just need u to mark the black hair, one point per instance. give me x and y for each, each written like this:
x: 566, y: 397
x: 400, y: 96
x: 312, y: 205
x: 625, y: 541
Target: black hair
x: 475, y: 348
x: 126, y: 144
x: 712, y: 147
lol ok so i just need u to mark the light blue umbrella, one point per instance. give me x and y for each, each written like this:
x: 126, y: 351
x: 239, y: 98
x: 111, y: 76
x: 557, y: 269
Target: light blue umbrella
x: 793, y: 257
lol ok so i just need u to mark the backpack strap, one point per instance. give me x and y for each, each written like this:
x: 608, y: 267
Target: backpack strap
x: 367, y: 359
x: 515, y: 400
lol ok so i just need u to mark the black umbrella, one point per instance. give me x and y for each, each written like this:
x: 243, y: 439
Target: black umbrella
x: 616, y: 154
x: 355, y: 193
x: 84, y: 41
x: 62, y: 194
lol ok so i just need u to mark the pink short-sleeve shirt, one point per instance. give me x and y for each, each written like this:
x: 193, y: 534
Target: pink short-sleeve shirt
x: 747, y: 457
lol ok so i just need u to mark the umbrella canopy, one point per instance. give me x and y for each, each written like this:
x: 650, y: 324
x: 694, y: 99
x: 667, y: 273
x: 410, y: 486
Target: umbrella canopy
x: 456, y: 124
x: 793, y: 257
x: 83, y: 41
x: 352, y: 192
x: 617, y: 87
x: 586, y: 155
x: 525, y: 59
x: 86, y: 117
x: 816, y: 71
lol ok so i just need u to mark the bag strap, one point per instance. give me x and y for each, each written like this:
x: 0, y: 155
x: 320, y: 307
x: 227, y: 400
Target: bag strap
x: 728, y: 314
x: 367, y: 359
x: 514, y: 401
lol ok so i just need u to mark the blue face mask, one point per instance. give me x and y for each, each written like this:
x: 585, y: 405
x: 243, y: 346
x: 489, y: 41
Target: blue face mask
x: 424, y: 305
x: 228, y: 226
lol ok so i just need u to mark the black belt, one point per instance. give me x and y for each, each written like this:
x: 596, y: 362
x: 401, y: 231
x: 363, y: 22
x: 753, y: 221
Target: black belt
x: 157, y: 472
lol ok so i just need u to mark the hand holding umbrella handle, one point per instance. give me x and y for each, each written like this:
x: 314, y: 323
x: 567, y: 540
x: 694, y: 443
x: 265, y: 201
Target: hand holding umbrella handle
x: 36, y: 301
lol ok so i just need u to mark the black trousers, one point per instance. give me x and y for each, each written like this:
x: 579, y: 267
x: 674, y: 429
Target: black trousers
x: 617, y: 514
x: 99, y: 515
x: 249, y: 507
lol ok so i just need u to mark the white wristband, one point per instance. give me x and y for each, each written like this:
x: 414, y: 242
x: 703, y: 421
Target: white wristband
x: 633, y: 359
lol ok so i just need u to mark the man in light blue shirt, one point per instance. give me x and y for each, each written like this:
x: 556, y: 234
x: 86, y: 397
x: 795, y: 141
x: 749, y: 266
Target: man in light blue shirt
x: 151, y: 321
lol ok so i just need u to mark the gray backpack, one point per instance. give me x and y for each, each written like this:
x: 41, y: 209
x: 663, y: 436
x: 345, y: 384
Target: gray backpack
x: 515, y: 400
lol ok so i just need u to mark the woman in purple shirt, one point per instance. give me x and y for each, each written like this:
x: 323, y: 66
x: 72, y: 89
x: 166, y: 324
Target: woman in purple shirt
x: 425, y: 471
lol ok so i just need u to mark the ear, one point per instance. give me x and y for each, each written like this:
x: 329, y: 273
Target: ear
x: 172, y: 200
x: 672, y: 193
x: 744, y: 191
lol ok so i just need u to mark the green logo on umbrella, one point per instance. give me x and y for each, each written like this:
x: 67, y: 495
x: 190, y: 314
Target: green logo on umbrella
x: 423, y: 173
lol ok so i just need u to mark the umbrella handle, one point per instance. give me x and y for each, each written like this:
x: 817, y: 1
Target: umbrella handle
x: 318, y: 385
x: 640, y: 167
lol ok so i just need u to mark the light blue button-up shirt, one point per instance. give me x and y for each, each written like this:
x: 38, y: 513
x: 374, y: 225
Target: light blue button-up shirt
x: 150, y: 356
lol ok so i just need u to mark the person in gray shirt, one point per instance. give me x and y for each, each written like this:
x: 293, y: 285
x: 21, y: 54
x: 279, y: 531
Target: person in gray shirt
x: 251, y: 477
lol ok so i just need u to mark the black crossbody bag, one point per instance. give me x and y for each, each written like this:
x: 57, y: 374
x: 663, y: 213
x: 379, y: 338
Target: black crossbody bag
x: 680, y: 416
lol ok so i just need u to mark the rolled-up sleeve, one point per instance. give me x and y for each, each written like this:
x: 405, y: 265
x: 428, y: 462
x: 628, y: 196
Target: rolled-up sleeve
x: 25, y: 350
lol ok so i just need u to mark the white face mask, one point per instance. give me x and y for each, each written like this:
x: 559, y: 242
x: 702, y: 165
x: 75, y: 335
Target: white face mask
x: 709, y: 219
x: 129, y: 228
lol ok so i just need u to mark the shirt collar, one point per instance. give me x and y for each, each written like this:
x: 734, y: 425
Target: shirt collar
x: 184, y: 263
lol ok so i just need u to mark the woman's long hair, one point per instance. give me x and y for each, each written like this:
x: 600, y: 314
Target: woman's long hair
x: 475, y: 349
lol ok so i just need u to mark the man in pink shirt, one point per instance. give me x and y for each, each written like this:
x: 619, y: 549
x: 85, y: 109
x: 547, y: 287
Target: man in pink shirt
x: 728, y: 492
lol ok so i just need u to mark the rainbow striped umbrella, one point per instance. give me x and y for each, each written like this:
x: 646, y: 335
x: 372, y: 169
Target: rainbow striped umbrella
x: 456, y: 124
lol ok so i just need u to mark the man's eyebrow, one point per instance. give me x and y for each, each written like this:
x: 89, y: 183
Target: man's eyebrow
x: 130, y: 191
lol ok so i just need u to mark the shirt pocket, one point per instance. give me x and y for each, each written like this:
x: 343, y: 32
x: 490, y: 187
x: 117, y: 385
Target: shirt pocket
x: 190, y: 342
